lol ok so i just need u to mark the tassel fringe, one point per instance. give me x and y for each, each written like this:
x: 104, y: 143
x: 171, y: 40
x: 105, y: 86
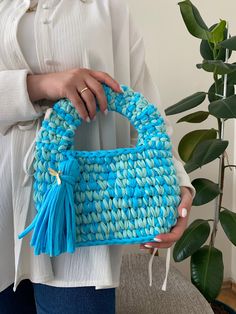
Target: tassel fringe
x: 54, y: 227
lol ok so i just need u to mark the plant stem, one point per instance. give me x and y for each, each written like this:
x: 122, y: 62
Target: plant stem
x: 215, y: 76
x: 221, y: 173
x: 218, y: 200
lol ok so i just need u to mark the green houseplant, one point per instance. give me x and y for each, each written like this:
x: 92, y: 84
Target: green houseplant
x: 202, y: 146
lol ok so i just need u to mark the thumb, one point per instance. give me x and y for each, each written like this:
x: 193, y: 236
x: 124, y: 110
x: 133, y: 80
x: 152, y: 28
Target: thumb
x: 186, y: 201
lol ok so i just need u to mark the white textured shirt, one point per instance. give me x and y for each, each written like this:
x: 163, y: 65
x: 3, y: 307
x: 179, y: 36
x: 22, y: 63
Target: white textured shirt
x: 61, y: 35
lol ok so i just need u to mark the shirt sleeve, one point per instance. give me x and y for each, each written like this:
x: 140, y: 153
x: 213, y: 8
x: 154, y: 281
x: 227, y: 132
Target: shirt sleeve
x: 15, y: 104
x: 142, y: 81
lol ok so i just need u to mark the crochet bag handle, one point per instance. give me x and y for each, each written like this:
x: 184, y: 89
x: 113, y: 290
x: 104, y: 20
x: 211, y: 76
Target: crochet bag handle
x: 144, y: 116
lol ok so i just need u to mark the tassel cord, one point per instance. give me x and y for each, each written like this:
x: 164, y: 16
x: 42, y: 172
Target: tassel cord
x: 54, y: 226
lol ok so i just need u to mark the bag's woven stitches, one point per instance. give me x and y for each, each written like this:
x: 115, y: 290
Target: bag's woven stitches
x: 124, y: 195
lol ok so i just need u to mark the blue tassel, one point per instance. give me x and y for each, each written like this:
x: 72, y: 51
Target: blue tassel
x: 54, y: 225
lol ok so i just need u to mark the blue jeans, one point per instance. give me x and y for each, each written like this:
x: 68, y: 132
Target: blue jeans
x: 32, y: 298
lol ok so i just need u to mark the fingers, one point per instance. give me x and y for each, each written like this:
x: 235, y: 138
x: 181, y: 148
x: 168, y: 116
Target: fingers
x: 166, y: 240
x: 98, y: 91
x: 186, y: 202
x: 174, y: 235
x: 107, y: 79
x: 86, y: 102
x: 150, y: 250
x: 78, y: 104
x: 150, y: 245
x: 90, y: 102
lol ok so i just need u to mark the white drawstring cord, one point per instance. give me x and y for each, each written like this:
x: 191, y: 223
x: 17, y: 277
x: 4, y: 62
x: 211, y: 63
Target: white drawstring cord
x: 150, y: 266
x: 29, y: 156
x: 167, y: 267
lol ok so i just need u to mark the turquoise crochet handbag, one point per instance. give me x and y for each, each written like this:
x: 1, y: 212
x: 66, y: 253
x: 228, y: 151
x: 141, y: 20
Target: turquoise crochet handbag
x: 118, y: 196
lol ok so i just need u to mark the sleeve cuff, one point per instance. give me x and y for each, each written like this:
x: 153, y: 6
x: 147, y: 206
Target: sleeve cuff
x: 15, y: 102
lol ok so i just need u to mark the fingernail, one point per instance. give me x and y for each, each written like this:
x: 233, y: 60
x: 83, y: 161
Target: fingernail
x: 157, y: 239
x: 94, y: 118
x: 121, y: 89
x: 88, y: 119
x: 184, y: 212
x: 148, y: 246
x: 106, y: 112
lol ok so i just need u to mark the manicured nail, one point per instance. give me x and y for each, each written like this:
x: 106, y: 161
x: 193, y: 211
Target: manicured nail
x: 157, y: 239
x: 94, y: 118
x: 106, y: 112
x: 184, y: 212
x: 148, y: 246
x: 121, y: 89
x: 88, y: 119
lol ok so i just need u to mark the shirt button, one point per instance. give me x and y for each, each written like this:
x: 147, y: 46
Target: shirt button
x: 46, y: 21
x: 45, y: 6
x: 49, y: 62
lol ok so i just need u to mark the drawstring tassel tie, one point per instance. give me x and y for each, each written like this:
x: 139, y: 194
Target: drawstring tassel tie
x: 54, y: 225
x: 163, y: 288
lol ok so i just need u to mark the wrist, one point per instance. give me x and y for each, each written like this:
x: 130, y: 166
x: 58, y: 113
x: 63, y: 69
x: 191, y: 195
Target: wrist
x: 35, y: 87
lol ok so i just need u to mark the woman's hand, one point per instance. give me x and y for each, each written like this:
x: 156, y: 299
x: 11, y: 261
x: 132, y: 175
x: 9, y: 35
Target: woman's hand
x: 166, y: 240
x: 68, y: 84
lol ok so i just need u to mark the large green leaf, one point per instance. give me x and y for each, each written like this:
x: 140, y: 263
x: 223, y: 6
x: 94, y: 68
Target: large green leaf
x: 192, y: 239
x: 190, y: 141
x: 206, y: 48
x: 217, y: 66
x: 195, y: 117
x: 220, y: 89
x: 207, y: 271
x: 231, y: 78
x: 229, y: 43
x: 228, y: 223
x: 205, y: 152
x: 198, y: 17
x: 218, y: 32
x: 187, y: 103
x: 206, y: 191
x: 193, y: 20
x: 223, y: 108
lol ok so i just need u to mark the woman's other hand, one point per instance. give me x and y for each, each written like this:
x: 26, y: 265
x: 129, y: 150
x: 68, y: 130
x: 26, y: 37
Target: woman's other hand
x: 166, y: 240
x: 54, y: 86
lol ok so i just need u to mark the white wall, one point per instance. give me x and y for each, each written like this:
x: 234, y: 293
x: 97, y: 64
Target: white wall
x: 172, y: 53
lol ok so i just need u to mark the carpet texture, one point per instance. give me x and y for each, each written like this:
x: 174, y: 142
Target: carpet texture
x: 135, y: 296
